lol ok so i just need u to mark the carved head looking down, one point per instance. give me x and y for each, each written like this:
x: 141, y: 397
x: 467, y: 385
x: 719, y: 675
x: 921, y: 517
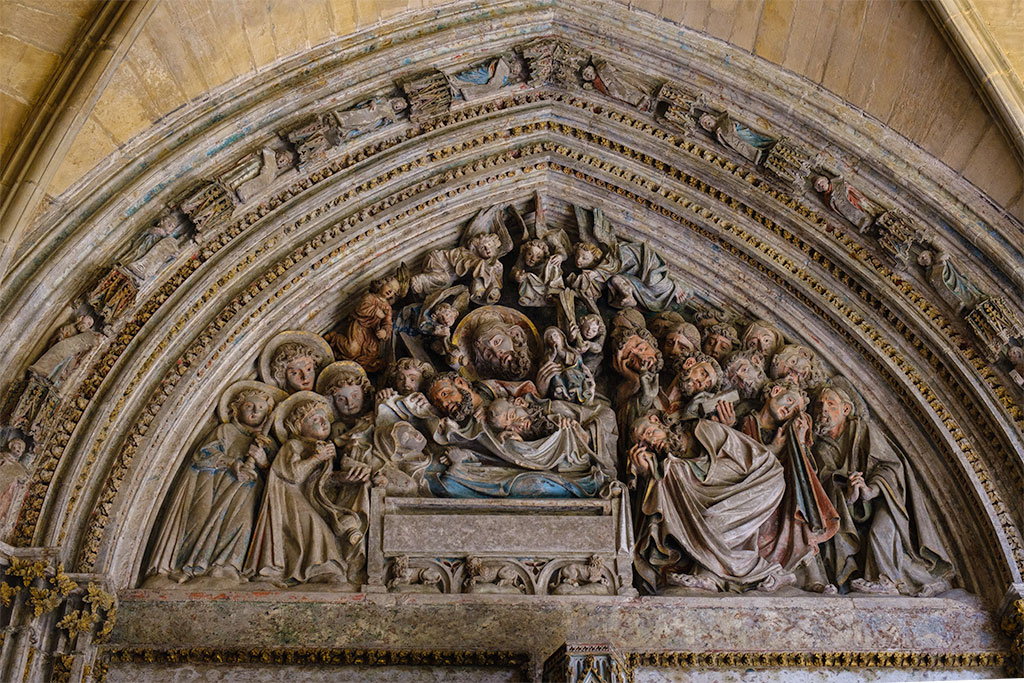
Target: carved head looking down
x: 798, y: 363
x: 505, y: 416
x: 719, y: 341
x: 294, y: 367
x: 831, y: 411
x: 451, y: 394
x: 250, y: 407
x: 783, y: 399
x: 745, y: 371
x: 587, y: 255
x: 535, y: 252
x: 410, y: 375
x: 700, y: 372
x: 500, y: 348
x: 398, y: 104
x: 764, y: 337
x: 485, y: 246
x: 386, y: 288
x: 346, y: 385
x: 308, y: 419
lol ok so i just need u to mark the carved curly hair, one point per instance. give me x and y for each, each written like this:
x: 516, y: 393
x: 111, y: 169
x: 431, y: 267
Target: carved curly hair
x: 288, y: 352
x: 302, y: 410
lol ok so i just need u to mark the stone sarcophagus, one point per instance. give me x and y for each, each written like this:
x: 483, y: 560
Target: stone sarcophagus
x: 532, y: 547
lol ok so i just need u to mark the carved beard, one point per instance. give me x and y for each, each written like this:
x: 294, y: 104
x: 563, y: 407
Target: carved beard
x: 673, y: 443
x: 465, y: 408
x: 515, y: 366
x: 747, y: 388
x: 823, y: 424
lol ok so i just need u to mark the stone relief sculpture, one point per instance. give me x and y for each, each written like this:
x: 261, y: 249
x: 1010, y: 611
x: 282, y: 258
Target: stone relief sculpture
x: 848, y: 201
x: 487, y: 78
x: 738, y: 137
x: 617, y: 83
x: 14, y: 475
x: 209, y: 521
x: 886, y: 543
x: 47, y: 375
x: 585, y: 365
x: 377, y: 112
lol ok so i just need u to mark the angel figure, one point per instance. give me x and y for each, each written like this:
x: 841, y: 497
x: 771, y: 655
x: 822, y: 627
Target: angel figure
x: 438, y: 316
x: 736, y: 136
x: 484, y: 241
x: 596, y: 255
x: 539, y: 267
x: 848, y: 201
x: 563, y: 376
x: 586, y: 333
x: 364, y: 334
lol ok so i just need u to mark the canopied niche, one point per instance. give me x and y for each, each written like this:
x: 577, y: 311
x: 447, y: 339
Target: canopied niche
x: 291, y: 208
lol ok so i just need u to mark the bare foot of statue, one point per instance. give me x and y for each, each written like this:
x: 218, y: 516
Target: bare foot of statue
x: 693, y: 581
x: 930, y: 590
x: 883, y: 587
x: 777, y: 581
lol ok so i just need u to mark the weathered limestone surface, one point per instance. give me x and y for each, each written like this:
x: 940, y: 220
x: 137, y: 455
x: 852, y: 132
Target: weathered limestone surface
x: 798, y: 675
x: 121, y: 672
x: 539, y: 624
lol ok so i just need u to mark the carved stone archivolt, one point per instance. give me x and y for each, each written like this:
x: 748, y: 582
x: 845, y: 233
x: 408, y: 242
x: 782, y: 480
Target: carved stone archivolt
x: 552, y: 321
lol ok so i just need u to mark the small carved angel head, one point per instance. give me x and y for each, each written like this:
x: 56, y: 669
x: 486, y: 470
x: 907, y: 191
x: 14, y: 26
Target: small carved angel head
x: 386, y: 288
x: 589, y: 73
x: 486, y: 245
x: 411, y: 375
x: 708, y: 121
x: 350, y: 392
x: 591, y: 326
x: 822, y: 184
x: 445, y: 314
x: 587, y: 255
x: 535, y: 252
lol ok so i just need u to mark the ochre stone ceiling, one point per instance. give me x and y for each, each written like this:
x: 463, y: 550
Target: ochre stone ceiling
x: 34, y: 36
x: 859, y: 50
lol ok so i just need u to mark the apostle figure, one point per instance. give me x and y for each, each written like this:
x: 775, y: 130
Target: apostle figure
x: 208, y: 523
x: 887, y: 543
x: 703, y: 497
x: 848, y: 201
x: 643, y: 280
x: 296, y: 539
x: 805, y: 516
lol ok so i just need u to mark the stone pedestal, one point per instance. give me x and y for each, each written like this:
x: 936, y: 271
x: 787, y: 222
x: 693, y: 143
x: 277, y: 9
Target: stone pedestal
x: 532, y: 547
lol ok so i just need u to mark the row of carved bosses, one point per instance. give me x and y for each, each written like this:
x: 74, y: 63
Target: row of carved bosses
x: 746, y: 467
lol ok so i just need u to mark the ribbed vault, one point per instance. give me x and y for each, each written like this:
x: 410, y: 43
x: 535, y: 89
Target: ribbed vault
x: 293, y: 257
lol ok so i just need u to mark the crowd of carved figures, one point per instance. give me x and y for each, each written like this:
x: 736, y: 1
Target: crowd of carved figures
x: 529, y: 361
x: 537, y: 362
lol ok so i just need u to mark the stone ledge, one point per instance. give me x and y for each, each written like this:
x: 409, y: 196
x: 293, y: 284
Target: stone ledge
x: 958, y: 623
